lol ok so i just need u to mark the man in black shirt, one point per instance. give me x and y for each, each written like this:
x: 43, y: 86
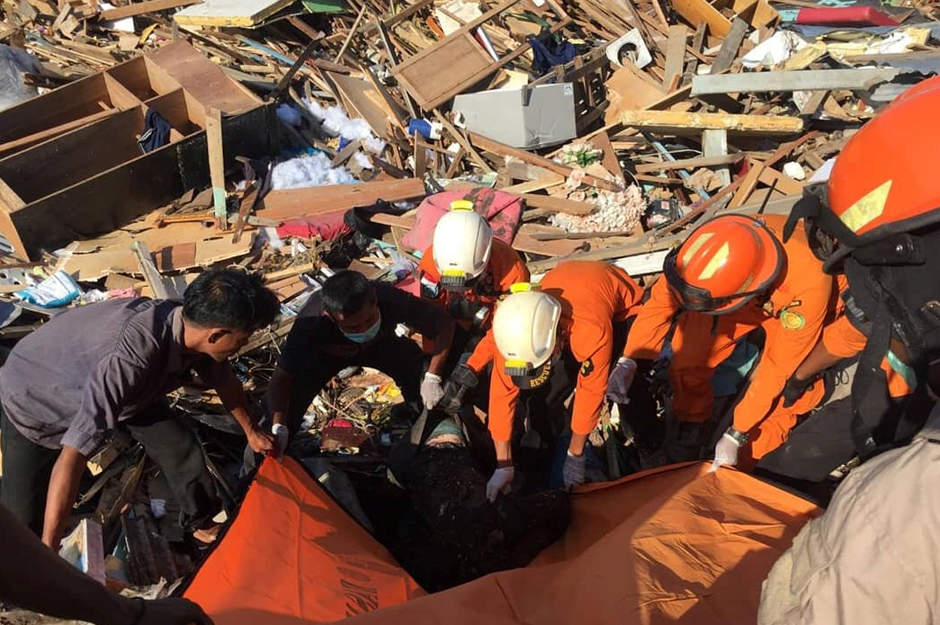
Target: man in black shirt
x: 353, y: 322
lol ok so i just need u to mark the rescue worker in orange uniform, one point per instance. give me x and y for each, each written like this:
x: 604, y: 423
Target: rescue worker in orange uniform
x: 877, y: 220
x: 570, y: 322
x: 731, y: 276
x: 467, y: 270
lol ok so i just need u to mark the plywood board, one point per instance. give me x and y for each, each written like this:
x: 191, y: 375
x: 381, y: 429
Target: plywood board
x: 675, y: 53
x: 183, y: 66
x: 230, y: 12
x: 295, y: 203
x: 628, y: 91
x: 454, y: 64
x: 175, y: 247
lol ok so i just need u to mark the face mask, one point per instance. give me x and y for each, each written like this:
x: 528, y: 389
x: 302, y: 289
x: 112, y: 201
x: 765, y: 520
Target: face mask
x: 368, y: 335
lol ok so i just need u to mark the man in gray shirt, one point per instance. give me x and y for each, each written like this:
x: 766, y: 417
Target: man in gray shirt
x: 92, y: 369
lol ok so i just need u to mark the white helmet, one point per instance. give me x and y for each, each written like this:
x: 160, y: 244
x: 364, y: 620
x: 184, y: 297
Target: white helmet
x: 524, y: 328
x: 462, y: 243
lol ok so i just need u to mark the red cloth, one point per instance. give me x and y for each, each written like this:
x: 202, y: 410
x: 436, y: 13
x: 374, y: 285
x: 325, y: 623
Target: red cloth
x: 328, y: 227
x: 845, y: 16
x: 503, y: 211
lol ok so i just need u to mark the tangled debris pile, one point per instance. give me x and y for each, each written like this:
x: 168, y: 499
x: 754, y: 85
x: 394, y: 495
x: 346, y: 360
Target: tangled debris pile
x: 297, y: 138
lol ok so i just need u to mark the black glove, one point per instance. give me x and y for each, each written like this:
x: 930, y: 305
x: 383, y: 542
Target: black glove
x: 794, y: 390
x: 460, y: 381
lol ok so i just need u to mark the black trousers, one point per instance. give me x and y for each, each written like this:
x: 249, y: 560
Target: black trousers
x: 27, y: 468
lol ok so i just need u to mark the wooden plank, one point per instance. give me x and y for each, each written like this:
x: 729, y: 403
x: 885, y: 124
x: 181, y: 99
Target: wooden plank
x: 560, y: 205
x: 284, y: 82
x: 533, y: 159
x: 216, y: 165
x: 729, y: 48
x: 351, y: 34
x: 699, y: 11
x: 141, y: 8
x: 676, y: 121
x: 691, y: 163
x: 284, y: 204
x: 860, y: 78
x: 524, y: 241
x: 18, y: 144
x: 715, y: 144
x: 532, y: 185
x: 675, y: 53
x: 230, y: 12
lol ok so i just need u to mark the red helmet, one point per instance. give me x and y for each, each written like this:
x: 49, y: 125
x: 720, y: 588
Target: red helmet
x: 882, y: 184
x: 724, y: 263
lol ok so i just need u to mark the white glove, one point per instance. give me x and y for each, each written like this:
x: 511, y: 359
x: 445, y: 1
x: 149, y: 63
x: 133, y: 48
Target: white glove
x: 500, y: 482
x: 573, y: 472
x: 281, y: 435
x: 726, y: 452
x: 620, y: 380
x: 431, y: 390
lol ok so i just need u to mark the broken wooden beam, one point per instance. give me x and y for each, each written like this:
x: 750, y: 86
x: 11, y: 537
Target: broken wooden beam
x: 678, y: 122
x: 729, y: 49
x: 140, y: 8
x: 860, y: 78
x: 534, y: 159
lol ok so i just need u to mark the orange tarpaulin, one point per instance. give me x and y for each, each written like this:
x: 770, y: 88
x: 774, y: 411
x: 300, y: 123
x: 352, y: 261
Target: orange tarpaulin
x: 673, y: 545
x: 292, y: 555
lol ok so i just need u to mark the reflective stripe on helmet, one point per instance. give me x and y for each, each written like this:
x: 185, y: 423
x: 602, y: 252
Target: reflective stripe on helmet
x: 866, y: 209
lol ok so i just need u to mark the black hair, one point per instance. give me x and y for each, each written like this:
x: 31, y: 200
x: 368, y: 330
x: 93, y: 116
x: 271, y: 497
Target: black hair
x: 347, y: 292
x: 228, y: 298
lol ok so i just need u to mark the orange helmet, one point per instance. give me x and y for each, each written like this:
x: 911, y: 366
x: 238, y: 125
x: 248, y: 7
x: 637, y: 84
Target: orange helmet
x: 723, y: 264
x: 882, y: 185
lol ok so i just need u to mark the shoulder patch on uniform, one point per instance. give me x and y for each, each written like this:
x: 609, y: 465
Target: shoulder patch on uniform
x: 587, y: 367
x: 792, y: 320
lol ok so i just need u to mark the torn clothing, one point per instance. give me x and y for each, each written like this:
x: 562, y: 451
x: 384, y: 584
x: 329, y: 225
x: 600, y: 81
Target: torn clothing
x: 505, y: 268
x: 593, y: 296
x: 73, y: 380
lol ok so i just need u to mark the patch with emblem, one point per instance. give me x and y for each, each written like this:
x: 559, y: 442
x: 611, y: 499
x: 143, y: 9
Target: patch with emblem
x: 792, y: 320
x: 587, y: 367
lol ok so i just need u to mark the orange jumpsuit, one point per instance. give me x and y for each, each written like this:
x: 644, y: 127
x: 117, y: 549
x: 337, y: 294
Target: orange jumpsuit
x: 842, y: 339
x: 504, y: 269
x: 792, y: 317
x: 593, y: 296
